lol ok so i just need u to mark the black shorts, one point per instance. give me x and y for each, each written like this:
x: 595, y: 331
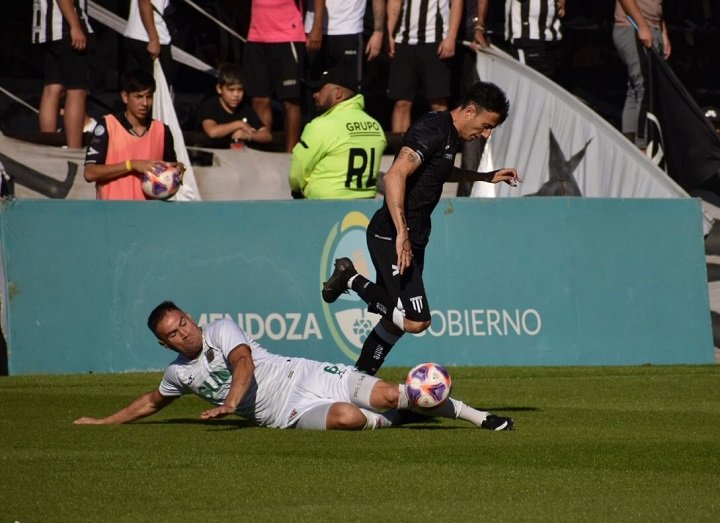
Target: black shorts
x: 138, y: 57
x: 542, y: 56
x: 274, y: 69
x: 408, y: 289
x: 415, y: 65
x: 67, y: 66
x: 344, y: 51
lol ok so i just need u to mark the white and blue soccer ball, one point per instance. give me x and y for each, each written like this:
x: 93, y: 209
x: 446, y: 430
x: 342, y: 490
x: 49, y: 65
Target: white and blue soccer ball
x: 428, y: 385
x: 162, y: 182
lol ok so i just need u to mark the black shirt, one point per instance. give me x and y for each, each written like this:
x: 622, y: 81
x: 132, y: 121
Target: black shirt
x: 434, y: 138
x: 97, y: 150
x: 212, y: 109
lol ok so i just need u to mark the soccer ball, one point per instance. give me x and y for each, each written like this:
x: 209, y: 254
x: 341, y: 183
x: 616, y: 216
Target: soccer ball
x: 162, y: 182
x: 428, y: 385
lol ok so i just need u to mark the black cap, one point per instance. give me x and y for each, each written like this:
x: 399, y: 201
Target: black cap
x: 337, y: 76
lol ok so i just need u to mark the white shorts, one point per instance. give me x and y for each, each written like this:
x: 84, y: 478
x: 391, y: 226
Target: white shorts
x: 324, y: 384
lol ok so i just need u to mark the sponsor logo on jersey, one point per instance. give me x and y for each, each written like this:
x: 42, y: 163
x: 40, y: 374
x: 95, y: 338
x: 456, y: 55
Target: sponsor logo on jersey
x: 367, y: 125
x: 417, y: 303
x: 348, y: 320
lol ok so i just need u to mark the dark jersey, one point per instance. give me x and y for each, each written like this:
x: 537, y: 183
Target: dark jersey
x: 434, y: 138
x: 97, y: 150
x: 211, y: 109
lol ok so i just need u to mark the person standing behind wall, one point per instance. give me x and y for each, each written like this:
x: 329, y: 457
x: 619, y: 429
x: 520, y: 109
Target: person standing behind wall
x: 63, y: 28
x: 148, y: 37
x: 629, y: 42
x: 343, y: 43
x: 274, y: 58
x: 421, y: 41
x: 533, y: 30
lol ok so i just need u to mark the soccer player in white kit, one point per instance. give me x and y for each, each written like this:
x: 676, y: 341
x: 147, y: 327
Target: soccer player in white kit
x: 223, y: 365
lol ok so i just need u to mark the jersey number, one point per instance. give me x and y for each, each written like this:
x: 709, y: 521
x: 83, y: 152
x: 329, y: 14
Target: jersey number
x: 358, y: 165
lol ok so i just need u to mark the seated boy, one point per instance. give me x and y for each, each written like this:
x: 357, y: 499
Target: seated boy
x: 227, y: 118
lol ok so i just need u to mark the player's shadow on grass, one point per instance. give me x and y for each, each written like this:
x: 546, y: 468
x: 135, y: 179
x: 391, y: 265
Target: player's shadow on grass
x: 227, y: 424
x: 238, y: 423
x: 497, y: 409
x: 428, y: 424
x: 417, y: 421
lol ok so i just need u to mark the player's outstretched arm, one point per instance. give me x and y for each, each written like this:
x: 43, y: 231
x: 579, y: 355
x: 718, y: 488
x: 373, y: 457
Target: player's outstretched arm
x: 506, y: 174
x: 144, y: 406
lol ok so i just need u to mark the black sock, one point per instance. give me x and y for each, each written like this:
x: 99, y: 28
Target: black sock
x: 375, y: 350
x: 375, y: 296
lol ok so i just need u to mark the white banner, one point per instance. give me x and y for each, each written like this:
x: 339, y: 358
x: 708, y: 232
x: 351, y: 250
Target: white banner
x: 560, y: 146
x: 164, y: 111
x: 43, y: 171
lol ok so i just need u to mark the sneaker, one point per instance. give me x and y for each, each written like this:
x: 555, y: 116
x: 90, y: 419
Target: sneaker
x: 337, y: 283
x: 493, y: 422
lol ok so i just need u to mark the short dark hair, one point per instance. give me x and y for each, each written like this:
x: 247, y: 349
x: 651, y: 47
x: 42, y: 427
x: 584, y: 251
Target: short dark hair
x: 158, y: 313
x: 230, y: 74
x: 137, y: 80
x: 490, y: 97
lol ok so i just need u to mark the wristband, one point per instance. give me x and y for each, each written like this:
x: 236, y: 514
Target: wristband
x: 128, y: 165
x: 480, y: 27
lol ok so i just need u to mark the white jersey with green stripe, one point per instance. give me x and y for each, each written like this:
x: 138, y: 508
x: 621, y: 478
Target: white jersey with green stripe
x: 209, y: 375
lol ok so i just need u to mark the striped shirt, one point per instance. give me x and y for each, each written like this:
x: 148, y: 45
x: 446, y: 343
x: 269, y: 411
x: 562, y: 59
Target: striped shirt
x: 49, y: 24
x: 532, y: 20
x: 423, y: 21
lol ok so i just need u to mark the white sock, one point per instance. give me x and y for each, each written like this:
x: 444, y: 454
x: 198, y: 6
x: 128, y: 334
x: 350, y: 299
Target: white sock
x: 455, y: 409
x: 375, y: 420
x: 467, y: 413
x: 403, y: 400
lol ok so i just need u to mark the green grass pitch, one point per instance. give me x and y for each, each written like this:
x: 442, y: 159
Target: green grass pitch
x: 592, y: 445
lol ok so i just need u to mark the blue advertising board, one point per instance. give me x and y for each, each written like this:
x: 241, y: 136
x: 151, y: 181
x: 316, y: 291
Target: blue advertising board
x: 513, y: 281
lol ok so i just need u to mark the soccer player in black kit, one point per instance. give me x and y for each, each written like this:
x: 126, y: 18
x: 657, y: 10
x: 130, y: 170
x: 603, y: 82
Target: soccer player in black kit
x: 400, y: 229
